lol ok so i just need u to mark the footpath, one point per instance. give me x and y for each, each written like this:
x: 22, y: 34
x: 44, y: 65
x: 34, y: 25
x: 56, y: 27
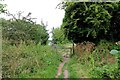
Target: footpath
x: 59, y: 72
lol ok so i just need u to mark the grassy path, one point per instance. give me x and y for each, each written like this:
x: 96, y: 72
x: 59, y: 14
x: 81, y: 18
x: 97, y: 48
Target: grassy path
x: 69, y: 67
x: 60, y: 68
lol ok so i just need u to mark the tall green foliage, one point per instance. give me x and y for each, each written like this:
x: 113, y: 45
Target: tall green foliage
x: 32, y: 61
x: 115, y: 23
x: 58, y: 36
x: 2, y: 7
x: 89, y: 21
x: 20, y: 29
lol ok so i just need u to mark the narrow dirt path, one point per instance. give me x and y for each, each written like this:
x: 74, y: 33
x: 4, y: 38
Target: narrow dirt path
x: 66, y: 73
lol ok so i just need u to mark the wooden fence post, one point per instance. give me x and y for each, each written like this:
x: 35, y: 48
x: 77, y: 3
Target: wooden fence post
x: 72, y: 49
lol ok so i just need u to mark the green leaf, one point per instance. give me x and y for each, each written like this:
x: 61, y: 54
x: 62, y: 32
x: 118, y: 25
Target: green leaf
x: 114, y: 52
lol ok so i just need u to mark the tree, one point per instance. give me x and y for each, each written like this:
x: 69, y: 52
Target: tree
x: 88, y: 21
x: 24, y: 29
x: 58, y: 36
x: 115, y: 24
x: 2, y: 7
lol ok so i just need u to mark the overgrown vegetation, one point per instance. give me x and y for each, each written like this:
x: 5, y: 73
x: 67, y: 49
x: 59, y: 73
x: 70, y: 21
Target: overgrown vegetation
x: 23, y: 29
x: 98, y: 64
x: 87, y: 21
x: 26, y: 55
x: 97, y: 23
x: 32, y: 61
x: 59, y: 36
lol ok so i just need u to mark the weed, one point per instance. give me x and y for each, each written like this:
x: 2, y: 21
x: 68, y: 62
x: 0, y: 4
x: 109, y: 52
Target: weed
x: 29, y: 61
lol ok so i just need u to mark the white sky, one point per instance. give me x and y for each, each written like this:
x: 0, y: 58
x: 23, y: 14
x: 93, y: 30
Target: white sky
x: 40, y: 9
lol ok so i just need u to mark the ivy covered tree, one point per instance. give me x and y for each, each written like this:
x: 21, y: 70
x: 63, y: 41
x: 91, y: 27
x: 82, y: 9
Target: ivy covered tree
x: 16, y: 30
x: 90, y: 21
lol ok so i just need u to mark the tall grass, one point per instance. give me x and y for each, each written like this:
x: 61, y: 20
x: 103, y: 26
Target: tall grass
x: 97, y: 64
x: 29, y: 61
x: 36, y: 61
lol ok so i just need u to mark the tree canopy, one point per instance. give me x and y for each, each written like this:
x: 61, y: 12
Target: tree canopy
x: 24, y: 29
x: 2, y: 7
x: 59, y: 36
x: 91, y: 21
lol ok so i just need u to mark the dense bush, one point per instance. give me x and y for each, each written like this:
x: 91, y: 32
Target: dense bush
x: 59, y: 36
x: 115, y: 25
x: 17, y: 30
x: 106, y: 70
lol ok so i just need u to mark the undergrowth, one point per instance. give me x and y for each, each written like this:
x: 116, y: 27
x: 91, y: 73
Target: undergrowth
x: 36, y: 61
x: 32, y: 61
x: 98, y: 64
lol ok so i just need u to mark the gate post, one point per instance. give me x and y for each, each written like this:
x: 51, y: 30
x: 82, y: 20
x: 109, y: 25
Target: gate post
x: 72, y: 49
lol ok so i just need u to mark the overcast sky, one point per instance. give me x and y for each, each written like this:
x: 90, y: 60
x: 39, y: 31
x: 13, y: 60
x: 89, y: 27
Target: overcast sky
x: 40, y: 9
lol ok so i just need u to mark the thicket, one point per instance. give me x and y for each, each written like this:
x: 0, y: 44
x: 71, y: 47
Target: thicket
x: 86, y: 21
x: 23, y: 29
x: 59, y: 36
x: 32, y: 61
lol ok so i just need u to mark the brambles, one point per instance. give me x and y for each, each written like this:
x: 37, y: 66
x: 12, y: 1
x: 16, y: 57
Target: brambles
x: 32, y: 61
